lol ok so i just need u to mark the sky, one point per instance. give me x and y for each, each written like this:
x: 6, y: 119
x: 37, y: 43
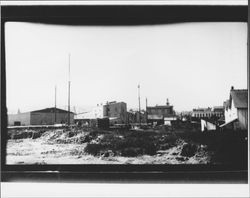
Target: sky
x: 191, y: 64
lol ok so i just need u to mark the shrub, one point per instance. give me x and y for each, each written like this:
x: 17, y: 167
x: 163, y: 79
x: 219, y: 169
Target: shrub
x: 131, y: 152
x: 36, y: 135
x: 93, y: 149
x: 188, y: 150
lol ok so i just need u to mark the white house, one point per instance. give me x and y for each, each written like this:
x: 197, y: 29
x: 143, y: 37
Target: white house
x: 236, y: 109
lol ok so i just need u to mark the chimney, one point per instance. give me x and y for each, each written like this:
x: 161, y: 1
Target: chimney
x: 232, y: 88
x: 167, y: 102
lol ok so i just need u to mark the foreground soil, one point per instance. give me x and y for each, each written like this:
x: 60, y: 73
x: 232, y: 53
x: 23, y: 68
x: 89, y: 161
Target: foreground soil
x: 60, y: 147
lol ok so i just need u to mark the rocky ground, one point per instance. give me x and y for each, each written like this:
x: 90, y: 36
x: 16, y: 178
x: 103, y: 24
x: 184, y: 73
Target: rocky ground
x: 84, y: 147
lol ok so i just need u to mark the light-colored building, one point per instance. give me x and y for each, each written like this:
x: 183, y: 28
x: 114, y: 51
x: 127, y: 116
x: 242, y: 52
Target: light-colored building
x: 115, y: 111
x: 209, y: 112
x: 96, y: 112
x: 208, y: 125
x: 48, y: 116
x: 236, y: 109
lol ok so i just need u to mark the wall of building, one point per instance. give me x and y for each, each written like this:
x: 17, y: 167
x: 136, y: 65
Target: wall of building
x: 207, y: 113
x: 165, y: 110
x: 134, y: 117
x: 41, y: 118
x: 23, y: 118
x: 118, y: 110
x: 243, y: 118
x: 231, y: 113
x: 98, y: 112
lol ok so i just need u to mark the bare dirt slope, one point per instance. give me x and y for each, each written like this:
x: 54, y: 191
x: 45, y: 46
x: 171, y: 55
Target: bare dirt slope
x: 66, y: 147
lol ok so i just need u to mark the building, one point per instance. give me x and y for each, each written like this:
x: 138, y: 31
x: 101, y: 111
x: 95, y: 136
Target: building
x: 185, y: 115
x: 216, y: 112
x: 208, y: 125
x: 134, y: 116
x: 116, y: 112
x: 157, y: 114
x: 236, y: 110
x: 48, y: 116
x: 96, y: 112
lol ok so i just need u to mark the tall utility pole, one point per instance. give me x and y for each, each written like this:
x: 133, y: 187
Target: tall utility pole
x: 55, y: 105
x: 139, y: 104
x: 146, y: 110
x: 69, y: 95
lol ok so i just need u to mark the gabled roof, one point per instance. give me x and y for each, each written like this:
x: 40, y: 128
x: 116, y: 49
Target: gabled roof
x: 239, y: 97
x: 50, y: 110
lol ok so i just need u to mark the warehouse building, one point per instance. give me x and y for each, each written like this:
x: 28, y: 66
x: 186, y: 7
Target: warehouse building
x: 48, y: 116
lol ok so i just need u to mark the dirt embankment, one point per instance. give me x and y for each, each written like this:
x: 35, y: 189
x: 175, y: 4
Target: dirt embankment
x: 95, y: 146
x: 80, y: 145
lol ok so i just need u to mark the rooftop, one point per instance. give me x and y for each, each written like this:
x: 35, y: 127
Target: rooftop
x: 161, y: 106
x: 50, y: 110
x: 239, y: 97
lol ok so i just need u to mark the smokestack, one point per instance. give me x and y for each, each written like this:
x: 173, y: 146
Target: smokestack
x: 167, y: 102
x: 139, y: 104
x: 146, y: 110
x: 69, y: 95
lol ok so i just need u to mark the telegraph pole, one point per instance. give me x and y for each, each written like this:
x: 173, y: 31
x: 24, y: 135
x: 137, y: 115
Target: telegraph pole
x: 139, y: 104
x: 69, y: 94
x: 146, y: 110
x: 55, y: 104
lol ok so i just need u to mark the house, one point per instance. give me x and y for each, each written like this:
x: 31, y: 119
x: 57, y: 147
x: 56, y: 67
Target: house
x: 162, y: 114
x: 236, y: 110
x: 48, y: 116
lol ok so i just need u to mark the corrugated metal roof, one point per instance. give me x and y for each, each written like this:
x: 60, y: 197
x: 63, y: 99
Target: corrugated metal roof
x: 239, y: 98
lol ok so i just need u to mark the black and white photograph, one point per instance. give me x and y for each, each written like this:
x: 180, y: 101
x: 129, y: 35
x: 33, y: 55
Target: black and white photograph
x: 124, y: 99
x: 146, y: 94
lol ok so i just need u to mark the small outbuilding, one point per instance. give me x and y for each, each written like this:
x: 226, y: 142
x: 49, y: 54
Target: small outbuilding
x: 208, y: 125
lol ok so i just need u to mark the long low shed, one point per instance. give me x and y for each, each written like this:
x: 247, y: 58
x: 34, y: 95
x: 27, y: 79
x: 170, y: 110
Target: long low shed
x: 48, y: 116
